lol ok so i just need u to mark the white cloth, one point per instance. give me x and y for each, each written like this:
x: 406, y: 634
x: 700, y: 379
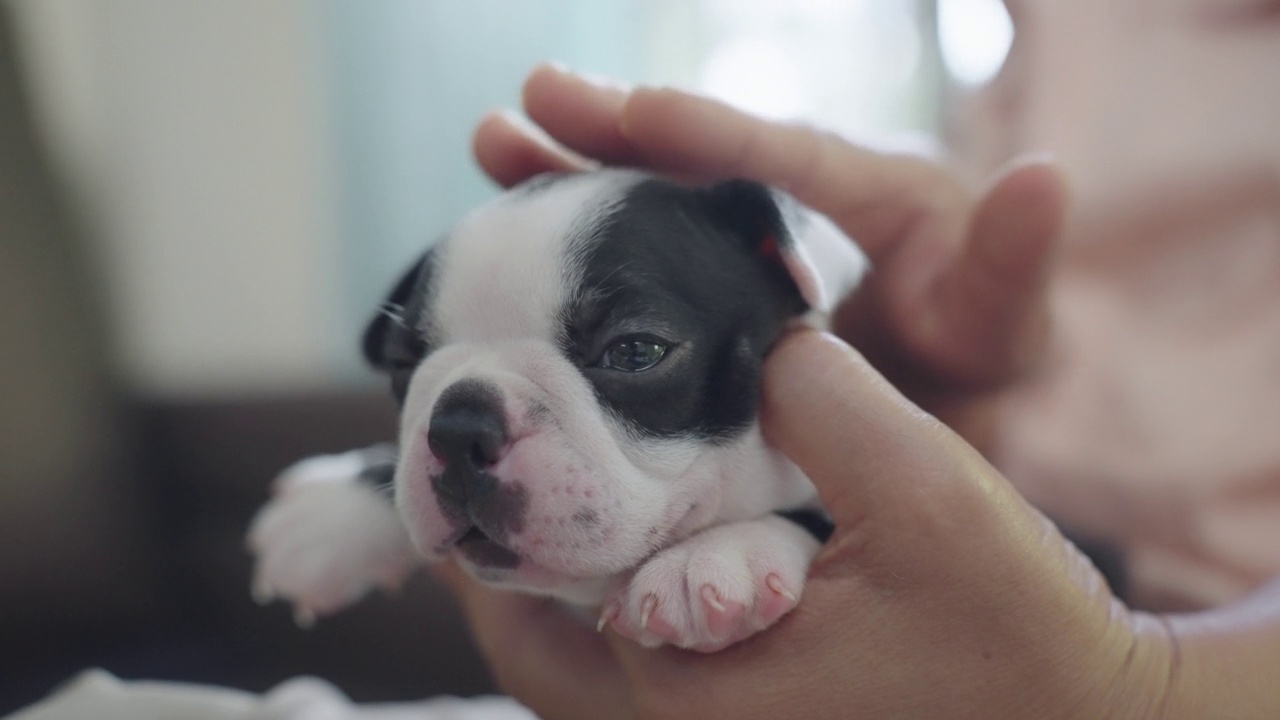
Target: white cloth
x: 98, y: 695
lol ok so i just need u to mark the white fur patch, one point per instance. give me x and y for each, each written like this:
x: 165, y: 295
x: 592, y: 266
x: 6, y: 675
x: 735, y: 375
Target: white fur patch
x: 325, y: 538
x: 520, y: 241
x: 722, y: 585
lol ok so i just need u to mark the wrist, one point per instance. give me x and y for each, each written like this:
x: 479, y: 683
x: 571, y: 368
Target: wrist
x: 1228, y: 660
x: 1147, y: 668
x: 1129, y: 677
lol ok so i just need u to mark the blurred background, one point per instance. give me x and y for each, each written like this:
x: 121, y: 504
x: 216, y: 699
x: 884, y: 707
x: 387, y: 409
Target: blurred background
x: 200, y: 204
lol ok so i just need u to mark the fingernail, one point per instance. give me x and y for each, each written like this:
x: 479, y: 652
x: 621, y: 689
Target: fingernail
x: 607, y: 83
x: 602, y: 82
x: 517, y: 119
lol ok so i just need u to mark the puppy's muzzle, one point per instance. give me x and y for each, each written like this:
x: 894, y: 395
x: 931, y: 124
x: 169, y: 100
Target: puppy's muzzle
x: 468, y: 434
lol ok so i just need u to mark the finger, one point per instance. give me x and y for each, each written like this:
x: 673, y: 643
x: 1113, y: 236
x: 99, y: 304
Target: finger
x: 990, y: 304
x: 880, y: 199
x: 511, y: 150
x: 555, y: 664
x: 676, y: 683
x: 581, y: 113
x: 867, y: 449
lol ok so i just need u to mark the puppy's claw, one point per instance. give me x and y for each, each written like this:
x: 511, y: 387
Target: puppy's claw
x: 709, y: 597
x: 647, y: 607
x: 775, y: 584
x: 262, y: 593
x: 609, y: 614
x: 304, y: 618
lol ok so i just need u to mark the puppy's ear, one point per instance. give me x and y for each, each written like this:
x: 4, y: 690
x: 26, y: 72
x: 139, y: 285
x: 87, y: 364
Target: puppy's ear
x: 823, y: 262
x: 390, y: 338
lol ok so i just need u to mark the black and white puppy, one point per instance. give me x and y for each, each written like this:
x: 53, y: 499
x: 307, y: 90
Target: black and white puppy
x: 578, y: 365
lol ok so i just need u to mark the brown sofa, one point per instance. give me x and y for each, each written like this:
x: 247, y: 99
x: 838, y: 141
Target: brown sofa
x: 202, y: 469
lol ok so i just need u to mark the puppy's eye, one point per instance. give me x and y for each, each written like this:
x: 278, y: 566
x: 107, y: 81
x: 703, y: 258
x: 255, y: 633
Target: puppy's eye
x: 633, y: 355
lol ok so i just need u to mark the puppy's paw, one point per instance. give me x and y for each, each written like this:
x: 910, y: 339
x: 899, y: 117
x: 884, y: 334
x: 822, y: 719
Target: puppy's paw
x: 327, y: 537
x: 715, y: 588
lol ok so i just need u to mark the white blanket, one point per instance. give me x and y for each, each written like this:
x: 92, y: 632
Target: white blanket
x: 98, y: 695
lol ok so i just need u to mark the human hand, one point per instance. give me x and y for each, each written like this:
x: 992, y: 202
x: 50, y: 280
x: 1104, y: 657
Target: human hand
x: 941, y: 593
x: 954, y: 309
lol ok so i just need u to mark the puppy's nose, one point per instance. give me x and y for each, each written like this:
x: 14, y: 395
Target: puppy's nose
x: 468, y: 428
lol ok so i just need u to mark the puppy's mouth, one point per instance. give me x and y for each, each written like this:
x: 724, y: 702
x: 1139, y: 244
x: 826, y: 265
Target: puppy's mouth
x: 479, y: 548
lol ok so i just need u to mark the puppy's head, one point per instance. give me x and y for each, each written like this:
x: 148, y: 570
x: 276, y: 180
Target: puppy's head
x: 578, y: 365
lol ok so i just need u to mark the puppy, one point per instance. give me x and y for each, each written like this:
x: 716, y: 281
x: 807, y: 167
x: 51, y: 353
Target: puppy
x: 578, y: 367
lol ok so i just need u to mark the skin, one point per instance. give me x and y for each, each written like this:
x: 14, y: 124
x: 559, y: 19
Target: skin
x: 956, y: 305
x: 942, y: 593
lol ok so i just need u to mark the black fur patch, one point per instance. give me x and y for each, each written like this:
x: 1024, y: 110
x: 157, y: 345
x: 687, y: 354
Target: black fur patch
x: 468, y: 430
x: 689, y: 268
x: 488, y: 554
x: 394, y: 341
x: 815, y: 521
x: 379, y: 466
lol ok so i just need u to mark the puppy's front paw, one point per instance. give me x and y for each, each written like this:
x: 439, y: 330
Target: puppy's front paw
x: 326, y: 538
x: 715, y: 588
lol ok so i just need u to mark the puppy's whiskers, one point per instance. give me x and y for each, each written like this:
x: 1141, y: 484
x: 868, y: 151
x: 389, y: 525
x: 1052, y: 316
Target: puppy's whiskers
x: 394, y: 313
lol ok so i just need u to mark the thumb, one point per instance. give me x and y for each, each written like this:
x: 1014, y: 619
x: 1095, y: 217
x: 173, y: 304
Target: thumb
x: 869, y: 450
x: 991, y: 302
x: 537, y: 652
